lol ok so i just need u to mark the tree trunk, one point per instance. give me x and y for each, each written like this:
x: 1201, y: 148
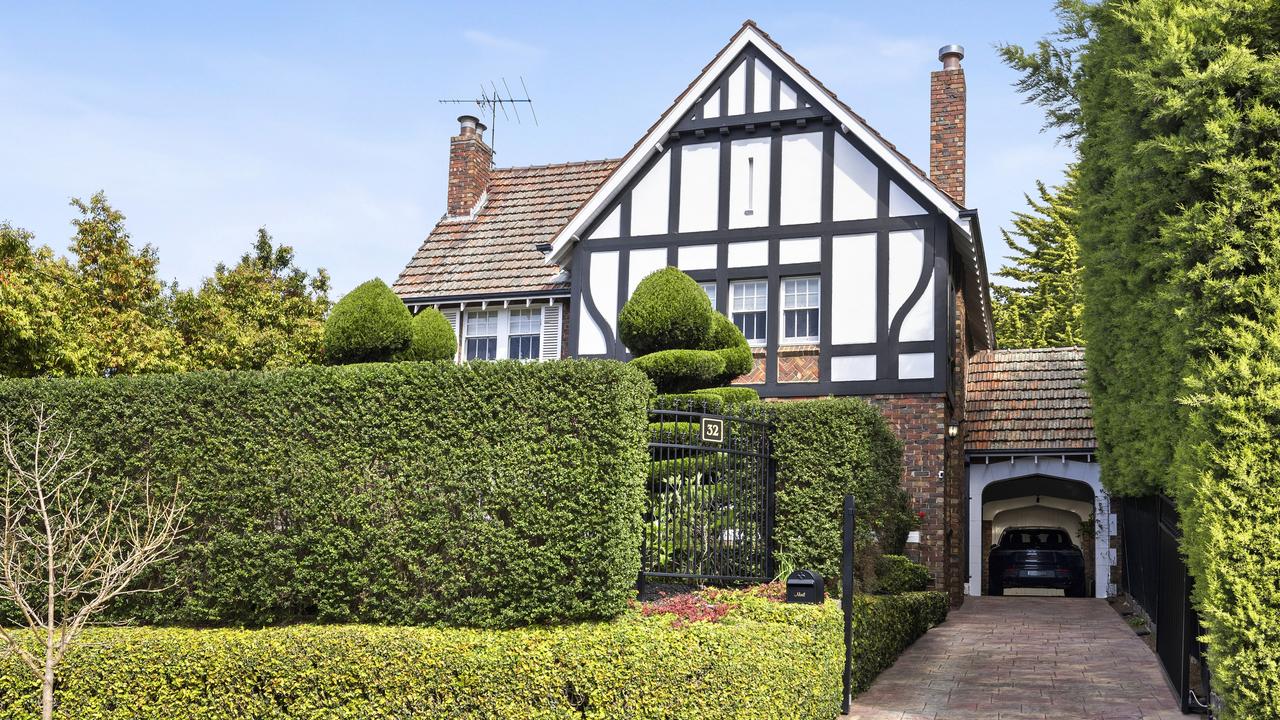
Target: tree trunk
x: 46, y: 711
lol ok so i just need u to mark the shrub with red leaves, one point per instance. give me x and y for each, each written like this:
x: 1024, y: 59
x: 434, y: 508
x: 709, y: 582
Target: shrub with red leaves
x: 687, y: 608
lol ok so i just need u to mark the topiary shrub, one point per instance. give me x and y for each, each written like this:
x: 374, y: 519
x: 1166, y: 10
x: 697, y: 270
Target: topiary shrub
x: 369, y: 324
x: 676, y: 371
x: 896, y: 574
x: 677, y: 338
x: 729, y: 394
x: 667, y: 311
x: 433, y: 338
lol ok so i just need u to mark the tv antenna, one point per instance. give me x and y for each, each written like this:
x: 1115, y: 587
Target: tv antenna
x: 492, y: 100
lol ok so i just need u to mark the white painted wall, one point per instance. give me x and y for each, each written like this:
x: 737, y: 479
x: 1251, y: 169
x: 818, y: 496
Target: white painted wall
x: 641, y: 264
x: 763, y: 88
x: 801, y: 178
x: 609, y: 227
x: 906, y: 256
x: 853, y: 289
x: 799, y: 250
x: 651, y: 199
x: 753, y: 253
x: 854, y: 183
x: 603, y: 283
x: 738, y: 89
x: 749, y: 182
x: 699, y: 187
x: 696, y: 257
x: 900, y: 203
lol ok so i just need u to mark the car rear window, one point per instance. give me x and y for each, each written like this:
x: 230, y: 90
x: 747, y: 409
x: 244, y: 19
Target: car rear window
x: 1035, y: 539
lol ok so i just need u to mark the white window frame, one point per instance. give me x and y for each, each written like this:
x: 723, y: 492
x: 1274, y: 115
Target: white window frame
x: 759, y: 303
x: 812, y: 300
x: 469, y: 332
x: 502, y: 333
x: 535, y: 315
x: 709, y: 288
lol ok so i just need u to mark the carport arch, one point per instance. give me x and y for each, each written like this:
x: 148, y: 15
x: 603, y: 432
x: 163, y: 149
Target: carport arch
x: 1058, y: 467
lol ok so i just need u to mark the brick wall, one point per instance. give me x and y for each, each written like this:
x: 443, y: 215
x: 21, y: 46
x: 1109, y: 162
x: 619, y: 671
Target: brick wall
x: 798, y: 363
x: 947, y: 131
x: 470, y: 165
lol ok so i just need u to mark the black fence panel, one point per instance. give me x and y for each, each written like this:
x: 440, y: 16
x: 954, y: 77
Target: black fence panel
x: 709, y: 516
x: 1155, y: 576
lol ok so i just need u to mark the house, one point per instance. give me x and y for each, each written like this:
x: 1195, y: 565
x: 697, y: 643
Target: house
x: 850, y: 270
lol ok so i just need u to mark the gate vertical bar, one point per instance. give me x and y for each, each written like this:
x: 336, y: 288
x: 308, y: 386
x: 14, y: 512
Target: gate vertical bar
x: 846, y: 601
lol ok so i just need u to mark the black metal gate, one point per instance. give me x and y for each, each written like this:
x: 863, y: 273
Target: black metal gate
x: 1156, y: 577
x: 709, y: 516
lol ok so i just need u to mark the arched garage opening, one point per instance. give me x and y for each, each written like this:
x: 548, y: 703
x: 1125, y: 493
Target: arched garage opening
x: 1040, y: 491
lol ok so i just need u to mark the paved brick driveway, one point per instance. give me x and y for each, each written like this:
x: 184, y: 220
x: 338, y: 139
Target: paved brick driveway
x: 1023, y: 657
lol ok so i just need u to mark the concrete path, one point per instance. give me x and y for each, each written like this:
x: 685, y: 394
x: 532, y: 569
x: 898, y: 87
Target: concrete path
x: 1023, y: 657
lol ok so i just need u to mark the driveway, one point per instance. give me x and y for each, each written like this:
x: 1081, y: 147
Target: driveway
x: 1023, y: 657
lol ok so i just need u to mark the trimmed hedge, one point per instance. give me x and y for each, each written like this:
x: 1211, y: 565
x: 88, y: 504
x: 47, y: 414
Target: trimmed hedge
x: 731, y: 345
x: 432, y: 338
x: 677, y: 371
x: 667, y: 310
x: 898, y: 574
x: 369, y: 324
x: 731, y: 394
x: 763, y: 659
x: 489, y: 494
x: 884, y: 625
x: 826, y: 449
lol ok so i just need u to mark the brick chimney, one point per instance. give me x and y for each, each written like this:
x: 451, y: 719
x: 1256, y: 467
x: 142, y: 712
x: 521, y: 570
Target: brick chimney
x: 947, y: 123
x: 470, y: 162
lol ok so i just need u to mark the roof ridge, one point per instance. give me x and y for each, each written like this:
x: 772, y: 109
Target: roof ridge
x: 557, y: 165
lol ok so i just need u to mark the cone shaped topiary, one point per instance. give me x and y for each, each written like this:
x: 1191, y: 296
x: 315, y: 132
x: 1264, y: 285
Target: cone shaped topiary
x: 667, y: 311
x: 433, y: 338
x: 369, y: 324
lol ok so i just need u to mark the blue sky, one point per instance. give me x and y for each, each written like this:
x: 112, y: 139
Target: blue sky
x: 203, y: 122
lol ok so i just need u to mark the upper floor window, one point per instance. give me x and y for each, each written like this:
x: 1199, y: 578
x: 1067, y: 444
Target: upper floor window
x: 750, y: 309
x: 524, y: 334
x: 481, y: 329
x: 800, y: 301
x: 710, y: 289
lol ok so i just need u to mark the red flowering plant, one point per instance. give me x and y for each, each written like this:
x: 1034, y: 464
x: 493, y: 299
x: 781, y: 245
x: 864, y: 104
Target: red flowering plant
x: 709, y: 604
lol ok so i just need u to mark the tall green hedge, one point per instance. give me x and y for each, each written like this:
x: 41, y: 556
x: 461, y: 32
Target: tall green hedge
x: 826, y: 449
x: 764, y: 661
x: 489, y: 494
x: 1180, y: 240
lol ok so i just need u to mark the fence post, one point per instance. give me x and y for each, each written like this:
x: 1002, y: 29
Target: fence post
x: 846, y: 600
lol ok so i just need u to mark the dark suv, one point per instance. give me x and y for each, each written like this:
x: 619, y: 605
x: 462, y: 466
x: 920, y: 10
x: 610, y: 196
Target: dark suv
x: 1036, y: 557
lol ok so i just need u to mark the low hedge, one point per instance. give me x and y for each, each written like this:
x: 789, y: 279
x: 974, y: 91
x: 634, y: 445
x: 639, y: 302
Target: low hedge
x: 763, y: 660
x: 678, y: 371
x: 826, y: 449
x: 898, y: 574
x: 488, y: 494
x: 884, y: 625
x: 731, y: 394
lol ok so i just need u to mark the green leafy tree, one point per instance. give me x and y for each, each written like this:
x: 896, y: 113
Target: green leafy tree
x: 369, y: 324
x: 1179, y: 231
x: 119, y: 311
x: 262, y: 313
x: 1043, y: 306
x: 34, y: 336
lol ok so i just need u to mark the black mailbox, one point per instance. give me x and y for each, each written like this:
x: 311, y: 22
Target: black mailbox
x: 804, y: 586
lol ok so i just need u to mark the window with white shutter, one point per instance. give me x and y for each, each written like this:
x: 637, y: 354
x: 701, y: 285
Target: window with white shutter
x: 551, y: 319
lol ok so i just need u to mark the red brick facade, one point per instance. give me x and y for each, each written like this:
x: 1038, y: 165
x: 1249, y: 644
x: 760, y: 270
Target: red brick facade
x: 947, y: 131
x: 798, y: 363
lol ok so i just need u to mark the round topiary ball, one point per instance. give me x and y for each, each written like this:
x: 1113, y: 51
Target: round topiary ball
x: 667, y: 311
x: 369, y: 324
x: 433, y: 338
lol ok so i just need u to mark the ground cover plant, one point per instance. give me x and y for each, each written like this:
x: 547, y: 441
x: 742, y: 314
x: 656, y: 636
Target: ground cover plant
x: 718, y: 654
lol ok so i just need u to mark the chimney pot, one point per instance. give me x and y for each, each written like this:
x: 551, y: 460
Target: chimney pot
x: 951, y: 55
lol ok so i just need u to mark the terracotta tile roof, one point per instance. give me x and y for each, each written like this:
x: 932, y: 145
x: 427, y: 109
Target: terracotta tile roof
x: 1028, y: 400
x: 495, y: 252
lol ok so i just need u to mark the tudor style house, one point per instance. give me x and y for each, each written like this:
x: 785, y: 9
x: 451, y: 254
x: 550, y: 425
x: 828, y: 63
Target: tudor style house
x: 849, y: 269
